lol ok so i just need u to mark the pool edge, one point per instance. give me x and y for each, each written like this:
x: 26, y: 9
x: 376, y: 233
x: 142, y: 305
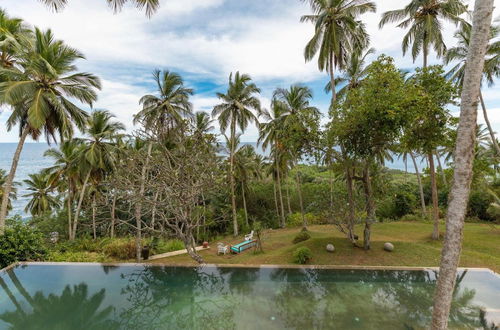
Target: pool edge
x: 334, y: 267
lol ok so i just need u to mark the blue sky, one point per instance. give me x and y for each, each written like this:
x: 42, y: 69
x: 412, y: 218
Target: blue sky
x: 204, y: 40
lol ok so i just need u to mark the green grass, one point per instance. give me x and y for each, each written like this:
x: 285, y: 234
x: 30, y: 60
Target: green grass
x: 412, y: 241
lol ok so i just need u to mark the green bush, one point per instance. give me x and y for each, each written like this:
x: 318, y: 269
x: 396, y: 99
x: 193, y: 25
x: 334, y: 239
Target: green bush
x: 71, y: 256
x: 21, y: 242
x: 404, y: 202
x: 295, y: 219
x: 479, y: 202
x: 123, y: 248
x: 161, y: 246
x: 412, y: 217
x: 302, y: 236
x: 302, y: 255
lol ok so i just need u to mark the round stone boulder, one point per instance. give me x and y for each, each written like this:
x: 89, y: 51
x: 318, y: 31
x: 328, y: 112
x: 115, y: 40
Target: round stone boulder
x: 388, y: 247
x: 330, y: 247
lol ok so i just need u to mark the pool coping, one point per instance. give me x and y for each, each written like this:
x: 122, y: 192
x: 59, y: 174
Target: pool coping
x: 266, y: 266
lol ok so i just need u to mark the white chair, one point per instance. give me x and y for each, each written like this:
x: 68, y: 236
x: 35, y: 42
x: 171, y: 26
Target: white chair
x: 249, y: 237
x: 221, y: 248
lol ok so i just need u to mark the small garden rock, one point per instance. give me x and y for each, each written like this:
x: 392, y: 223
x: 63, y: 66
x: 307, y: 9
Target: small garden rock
x: 388, y: 247
x: 330, y: 247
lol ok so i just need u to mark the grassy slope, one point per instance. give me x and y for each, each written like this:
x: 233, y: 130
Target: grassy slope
x: 413, y: 247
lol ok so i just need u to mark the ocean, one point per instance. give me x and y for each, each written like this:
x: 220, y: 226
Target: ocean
x: 32, y: 161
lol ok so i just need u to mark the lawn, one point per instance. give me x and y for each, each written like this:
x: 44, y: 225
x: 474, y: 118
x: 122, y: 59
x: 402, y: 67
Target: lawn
x: 413, y: 247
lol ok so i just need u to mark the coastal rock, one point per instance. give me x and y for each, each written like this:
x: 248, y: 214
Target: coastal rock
x: 330, y: 247
x: 388, y: 247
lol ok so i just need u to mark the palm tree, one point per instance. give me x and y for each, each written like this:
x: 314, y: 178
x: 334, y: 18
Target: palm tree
x: 234, y: 112
x: 354, y: 72
x: 201, y: 123
x: 13, y: 33
x: 13, y: 190
x: 464, y: 156
x: 271, y: 135
x: 337, y: 33
x: 246, y: 166
x: 65, y: 171
x: 38, y: 89
x: 41, y: 193
x: 297, y: 119
x: 150, y: 6
x: 424, y: 20
x: 97, y: 156
x: 165, y: 111
x: 491, y: 65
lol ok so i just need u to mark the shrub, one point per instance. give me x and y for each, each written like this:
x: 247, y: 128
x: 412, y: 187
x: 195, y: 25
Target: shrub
x: 302, y: 255
x: 122, y: 249
x: 412, y: 217
x: 161, y: 246
x: 302, y: 236
x: 404, y: 202
x: 21, y: 242
x: 295, y: 219
x: 479, y: 202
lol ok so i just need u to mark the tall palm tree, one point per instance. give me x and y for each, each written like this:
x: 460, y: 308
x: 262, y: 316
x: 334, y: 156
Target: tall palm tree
x: 13, y: 190
x: 464, y: 156
x: 491, y: 65
x: 165, y: 111
x: 41, y: 194
x: 201, y: 123
x: 98, y: 154
x: 298, y: 117
x: 65, y: 171
x: 337, y: 33
x: 150, y: 6
x: 424, y: 20
x: 236, y: 111
x: 39, y: 88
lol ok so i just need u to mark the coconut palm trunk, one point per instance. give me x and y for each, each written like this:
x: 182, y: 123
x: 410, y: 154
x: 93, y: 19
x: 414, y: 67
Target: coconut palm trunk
x: 231, y: 177
x: 441, y: 170
x: 370, y: 206
x: 288, y: 199
x: 79, y: 205
x: 435, y: 207
x: 301, y: 203
x: 420, y: 186
x: 69, y: 212
x: 10, y: 179
x: 332, y: 78
x: 276, y: 199
x: 280, y: 195
x: 488, y: 124
x: 243, y: 196
x: 350, y: 202
x: 464, y: 157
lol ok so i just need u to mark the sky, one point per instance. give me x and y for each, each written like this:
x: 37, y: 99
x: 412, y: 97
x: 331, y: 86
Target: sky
x: 205, y: 40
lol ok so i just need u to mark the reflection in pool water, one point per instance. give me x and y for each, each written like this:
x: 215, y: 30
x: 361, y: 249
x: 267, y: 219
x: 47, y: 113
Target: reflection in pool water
x: 39, y: 296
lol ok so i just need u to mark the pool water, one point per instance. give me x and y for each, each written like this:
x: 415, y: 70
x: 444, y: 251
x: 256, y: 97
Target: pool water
x: 93, y: 296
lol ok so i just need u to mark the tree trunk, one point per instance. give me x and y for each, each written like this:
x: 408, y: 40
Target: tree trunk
x: 231, y: 177
x: 113, y: 216
x: 299, y: 191
x: 138, y: 206
x: 331, y: 189
x: 350, y: 202
x: 420, y: 186
x: 280, y: 194
x: 69, y: 210
x: 332, y: 78
x: 490, y: 129
x: 370, y: 205
x: 464, y: 156
x: 7, y: 187
x: 276, y: 200
x: 79, y: 206
x: 191, y: 249
x: 153, y: 211
x: 441, y: 170
x: 288, y: 199
x: 93, y: 217
x: 244, y: 204
x: 435, y: 206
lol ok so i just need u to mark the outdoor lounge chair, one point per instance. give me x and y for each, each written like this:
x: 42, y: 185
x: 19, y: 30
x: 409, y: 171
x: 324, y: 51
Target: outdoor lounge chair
x: 249, y: 237
x: 221, y: 248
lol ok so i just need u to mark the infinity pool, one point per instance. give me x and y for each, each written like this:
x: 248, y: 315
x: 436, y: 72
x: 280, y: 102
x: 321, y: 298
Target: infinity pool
x: 93, y: 296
